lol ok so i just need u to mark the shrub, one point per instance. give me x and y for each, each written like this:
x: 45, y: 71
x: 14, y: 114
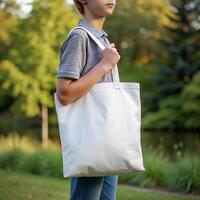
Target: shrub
x: 10, y: 159
x: 44, y: 162
x: 186, y: 176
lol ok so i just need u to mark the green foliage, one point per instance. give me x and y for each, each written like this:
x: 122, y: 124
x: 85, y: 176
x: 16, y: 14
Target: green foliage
x: 191, y: 103
x: 169, y: 115
x: 180, y: 43
x: 44, y: 162
x: 134, y: 28
x: 22, y: 87
x: 10, y: 159
x: 186, y: 175
x: 29, y: 64
x: 177, y: 111
x: 177, y: 70
x: 133, y: 72
x: 9, y: 21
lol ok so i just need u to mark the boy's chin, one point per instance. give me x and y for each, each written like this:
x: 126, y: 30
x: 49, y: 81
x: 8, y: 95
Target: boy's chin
x: 108, y: 13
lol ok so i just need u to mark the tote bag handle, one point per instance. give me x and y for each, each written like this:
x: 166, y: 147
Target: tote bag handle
x: 115, y: 73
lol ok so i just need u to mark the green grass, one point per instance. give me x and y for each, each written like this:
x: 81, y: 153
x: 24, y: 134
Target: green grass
x: 24, y: 186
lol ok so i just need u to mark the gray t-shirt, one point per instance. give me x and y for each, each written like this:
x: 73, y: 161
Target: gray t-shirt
x: 79, y: 53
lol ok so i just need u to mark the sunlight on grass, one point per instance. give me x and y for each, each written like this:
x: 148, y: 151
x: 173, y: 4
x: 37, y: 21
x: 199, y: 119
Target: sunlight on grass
x: 26, y: 144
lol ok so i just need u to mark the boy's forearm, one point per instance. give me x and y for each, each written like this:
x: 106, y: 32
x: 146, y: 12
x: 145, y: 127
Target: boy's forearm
x: 78, y: 88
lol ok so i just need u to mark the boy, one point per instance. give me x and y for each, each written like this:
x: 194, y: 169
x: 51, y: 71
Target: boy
x: 83, y: 64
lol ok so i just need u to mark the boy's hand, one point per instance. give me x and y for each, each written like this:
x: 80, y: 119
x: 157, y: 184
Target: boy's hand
x: 110, y: 56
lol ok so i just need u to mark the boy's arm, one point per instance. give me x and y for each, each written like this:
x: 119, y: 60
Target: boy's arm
x: 68, y: 90
x: 72, y: 60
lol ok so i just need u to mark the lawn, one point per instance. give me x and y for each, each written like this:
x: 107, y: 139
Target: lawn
x: 22, y: 186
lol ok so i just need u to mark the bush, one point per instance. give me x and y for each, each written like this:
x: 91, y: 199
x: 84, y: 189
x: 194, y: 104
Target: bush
x: 44, y: 162
x: 10, y: 159
x: 186, y: 176
x: 169, y: 115
x: 191, y: 103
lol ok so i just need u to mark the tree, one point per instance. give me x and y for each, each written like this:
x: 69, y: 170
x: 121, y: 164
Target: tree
x: 29, y: 69
x: 182, y: 50
x: 174, y: 78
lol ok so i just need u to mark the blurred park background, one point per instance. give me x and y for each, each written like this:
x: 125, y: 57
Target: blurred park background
x: 159, y: 44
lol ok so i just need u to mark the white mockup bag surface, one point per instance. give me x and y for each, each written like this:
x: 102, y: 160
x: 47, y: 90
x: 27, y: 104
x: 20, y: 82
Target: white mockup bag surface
x: 100, y: 133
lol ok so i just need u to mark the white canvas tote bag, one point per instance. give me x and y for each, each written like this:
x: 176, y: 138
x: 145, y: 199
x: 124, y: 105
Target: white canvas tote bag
x: 100, y: 132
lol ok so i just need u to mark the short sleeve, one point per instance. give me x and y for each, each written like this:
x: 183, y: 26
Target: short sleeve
x: 72, y: 56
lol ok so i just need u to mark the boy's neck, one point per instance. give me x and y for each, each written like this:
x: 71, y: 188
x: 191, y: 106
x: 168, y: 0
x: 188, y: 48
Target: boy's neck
x: 96, y: 22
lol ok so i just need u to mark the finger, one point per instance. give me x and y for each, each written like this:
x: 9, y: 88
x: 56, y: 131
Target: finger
x: 114, y: 49
x: 112, y: 45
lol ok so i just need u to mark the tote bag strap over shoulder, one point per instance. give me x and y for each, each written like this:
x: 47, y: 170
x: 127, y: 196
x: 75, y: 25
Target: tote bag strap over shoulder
x: 115, y: 73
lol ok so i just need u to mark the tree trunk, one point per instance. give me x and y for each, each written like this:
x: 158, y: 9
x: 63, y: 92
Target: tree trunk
x: 45, y: 131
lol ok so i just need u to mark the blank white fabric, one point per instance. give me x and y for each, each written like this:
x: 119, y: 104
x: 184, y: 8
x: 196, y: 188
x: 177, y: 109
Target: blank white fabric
x: 100, y: 132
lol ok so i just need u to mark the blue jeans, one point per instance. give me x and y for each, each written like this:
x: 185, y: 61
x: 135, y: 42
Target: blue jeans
x: 93, y: 188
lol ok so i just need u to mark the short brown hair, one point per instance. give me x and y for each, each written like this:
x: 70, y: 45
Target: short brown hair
x: 79, y: 6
